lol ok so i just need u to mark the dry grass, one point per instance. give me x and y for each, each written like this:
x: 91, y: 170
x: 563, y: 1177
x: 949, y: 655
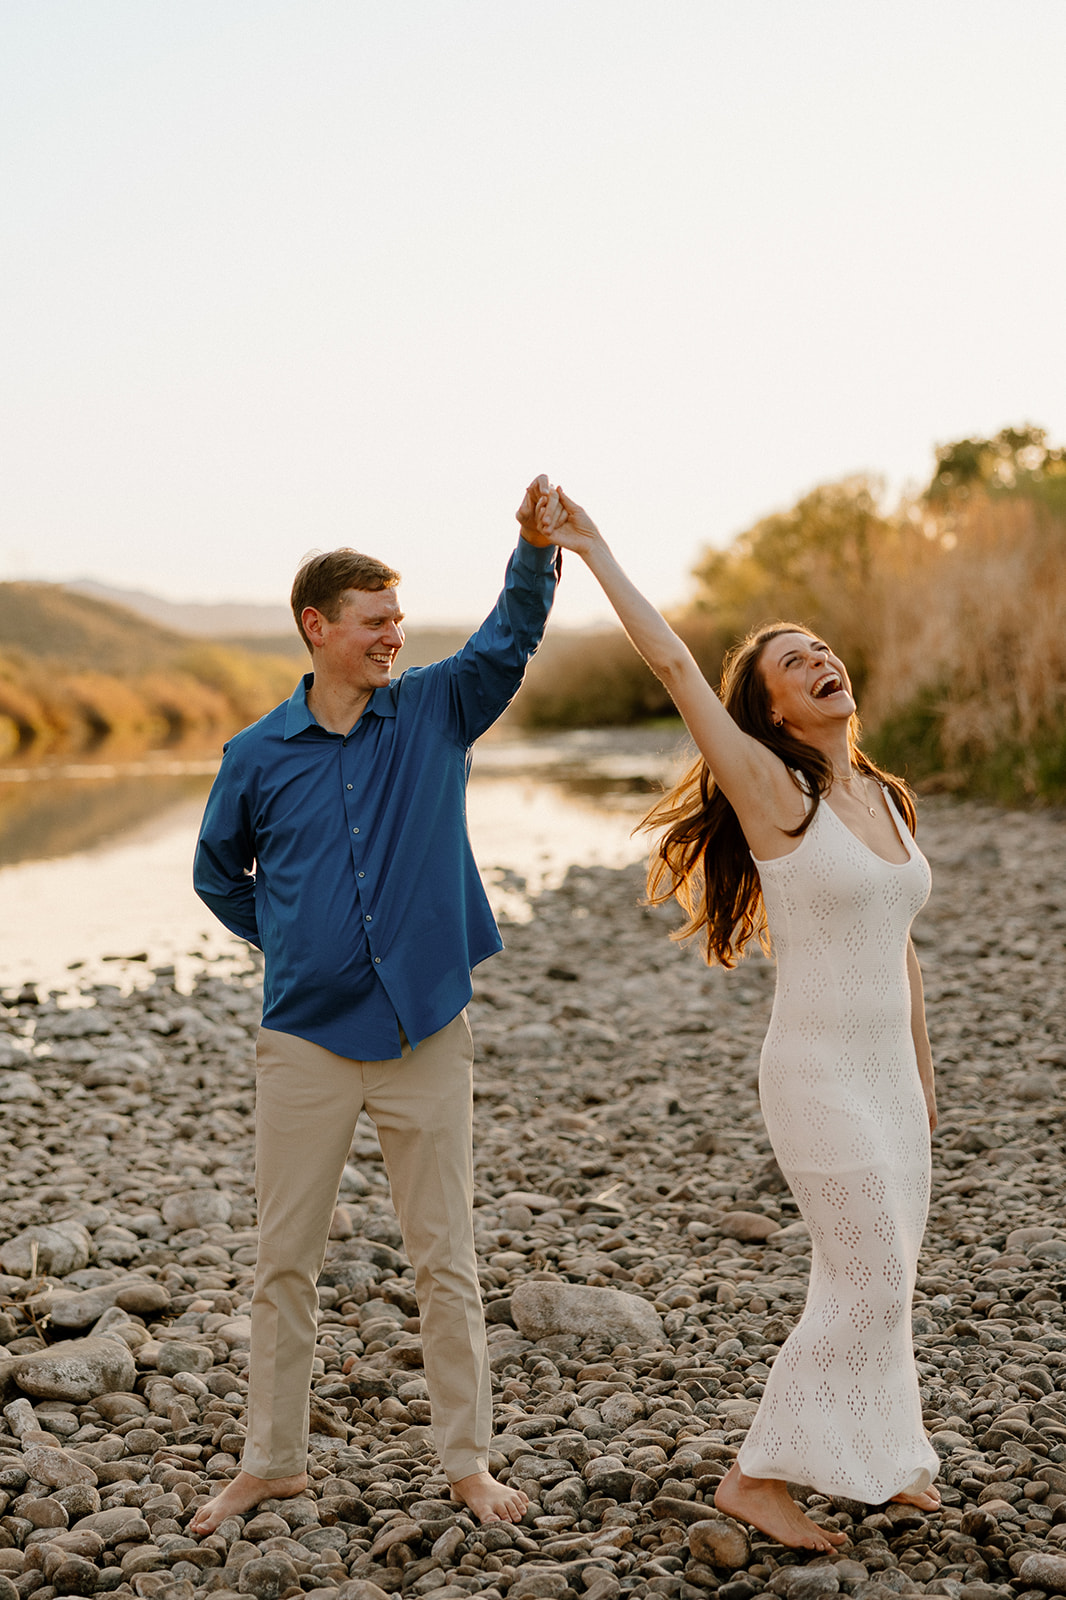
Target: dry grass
x: 971, y: 641
x: 952, y: 622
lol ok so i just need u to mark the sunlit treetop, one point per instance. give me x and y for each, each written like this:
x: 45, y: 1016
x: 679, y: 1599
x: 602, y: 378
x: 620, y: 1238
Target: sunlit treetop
x: 1015, y: 460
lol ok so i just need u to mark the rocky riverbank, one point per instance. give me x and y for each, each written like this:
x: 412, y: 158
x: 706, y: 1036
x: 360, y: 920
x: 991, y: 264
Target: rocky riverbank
x: 641, y: 1261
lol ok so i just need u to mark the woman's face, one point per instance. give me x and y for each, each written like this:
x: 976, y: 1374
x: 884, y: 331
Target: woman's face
x: 808, y: 685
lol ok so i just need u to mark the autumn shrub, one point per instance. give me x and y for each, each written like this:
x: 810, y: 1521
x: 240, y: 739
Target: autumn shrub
x: 108, y: 707
x: 594, y: 678
x: 185, y: 704
x: 23, y: 714
x: 251, y: 685
x: 969, y: 685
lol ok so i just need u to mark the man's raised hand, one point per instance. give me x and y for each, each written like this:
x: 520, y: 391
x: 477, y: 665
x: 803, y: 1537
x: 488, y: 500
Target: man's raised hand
x: 535, y: 496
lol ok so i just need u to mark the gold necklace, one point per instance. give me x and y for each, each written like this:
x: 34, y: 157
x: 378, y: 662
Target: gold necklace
x: 847, y: 783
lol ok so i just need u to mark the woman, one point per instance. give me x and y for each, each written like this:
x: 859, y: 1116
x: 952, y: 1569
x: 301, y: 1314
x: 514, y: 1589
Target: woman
x: 785, y: 827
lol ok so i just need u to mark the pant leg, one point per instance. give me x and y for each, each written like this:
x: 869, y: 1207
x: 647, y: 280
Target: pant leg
x: 423, y: 1109
x: 308, y: 1101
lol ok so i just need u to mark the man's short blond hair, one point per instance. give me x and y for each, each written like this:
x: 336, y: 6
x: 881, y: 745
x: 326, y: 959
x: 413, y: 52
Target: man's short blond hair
x: 325, y: 575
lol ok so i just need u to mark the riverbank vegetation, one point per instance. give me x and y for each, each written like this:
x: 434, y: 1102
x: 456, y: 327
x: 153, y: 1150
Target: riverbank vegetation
x: 950, y: 611
x: 77, y: 672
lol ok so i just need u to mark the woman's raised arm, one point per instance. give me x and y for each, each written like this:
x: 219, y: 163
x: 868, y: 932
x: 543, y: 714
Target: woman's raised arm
x: 753, y: 779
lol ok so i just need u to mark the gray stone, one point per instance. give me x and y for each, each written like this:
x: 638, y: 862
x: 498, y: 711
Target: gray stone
x: 75, y: 1575
x: 540, y: 1309
x: 143, y: 1297
x: 806, y: 1582
x: 751, y: 1227
x: 196, y: 1208
x: 1044, y: 1571
x: 600, y: 1585
x: 54, y: 1467
x: 569, y: 1495
x: 176, y: 1355
x: 535, y: 1040
x: 720, y: 1542
x: 20, y: 1086
x: 47, y: 1248
x: 620, y: 1410
x: 403, y: 1530
x: 267, y: 1577
x: 538, y: 1583
x: 78, y: 1370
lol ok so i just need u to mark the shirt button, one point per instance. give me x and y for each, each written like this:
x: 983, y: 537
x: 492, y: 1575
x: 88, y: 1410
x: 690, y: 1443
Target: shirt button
x: 347, y: 785
x: 355, y: 830
x: 368, y: 919
x: 362, y: 874
x: 377, y: 961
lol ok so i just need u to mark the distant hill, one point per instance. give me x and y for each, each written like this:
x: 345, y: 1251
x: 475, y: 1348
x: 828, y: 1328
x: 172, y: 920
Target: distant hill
x: 215, y: 621
x: 78, y: 668
x: 47, y: 621
x: 260, y: 629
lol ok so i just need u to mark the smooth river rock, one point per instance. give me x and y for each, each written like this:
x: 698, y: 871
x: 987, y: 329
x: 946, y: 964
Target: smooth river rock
x: 540, y: 1309
x: 78, y: 1369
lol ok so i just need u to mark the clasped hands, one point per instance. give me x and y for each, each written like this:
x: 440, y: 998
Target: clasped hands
x: 547, y: 515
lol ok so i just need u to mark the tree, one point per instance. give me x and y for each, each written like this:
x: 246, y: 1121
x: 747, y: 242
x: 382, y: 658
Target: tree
x: 814, y: 564
x: 1014, y: 461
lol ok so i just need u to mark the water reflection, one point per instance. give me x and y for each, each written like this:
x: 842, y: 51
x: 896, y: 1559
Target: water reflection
x: 50, y: 810
x: 42, y: 821
x: 95, y: 856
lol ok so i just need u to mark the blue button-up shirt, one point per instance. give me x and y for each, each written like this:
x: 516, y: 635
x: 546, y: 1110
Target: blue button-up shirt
x: 345, y: 858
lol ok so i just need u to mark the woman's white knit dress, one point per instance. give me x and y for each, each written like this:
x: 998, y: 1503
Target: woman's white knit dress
x: 846, y: 1116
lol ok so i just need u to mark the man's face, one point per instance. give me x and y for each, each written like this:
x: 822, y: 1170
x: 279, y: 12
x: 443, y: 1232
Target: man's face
x: 361, y: 646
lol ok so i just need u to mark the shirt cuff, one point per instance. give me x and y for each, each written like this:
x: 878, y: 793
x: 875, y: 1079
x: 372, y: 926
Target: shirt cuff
x: 538, y: 557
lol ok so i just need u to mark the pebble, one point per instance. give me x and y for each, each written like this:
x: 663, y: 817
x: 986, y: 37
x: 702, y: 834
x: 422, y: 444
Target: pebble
x: 640, y: 1258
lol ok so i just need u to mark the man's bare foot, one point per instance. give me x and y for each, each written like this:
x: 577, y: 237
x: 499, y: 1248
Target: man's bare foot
x: 488, y: 1500
x: 768, y: 1506
x: 925, y: 1500
x: 241, y: 1494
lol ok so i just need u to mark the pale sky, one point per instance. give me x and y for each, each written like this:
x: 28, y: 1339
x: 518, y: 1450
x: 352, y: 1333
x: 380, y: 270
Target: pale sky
x: 289, y: 275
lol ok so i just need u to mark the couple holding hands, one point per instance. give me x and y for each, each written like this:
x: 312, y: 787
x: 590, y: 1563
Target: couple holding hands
x: 335, y: 841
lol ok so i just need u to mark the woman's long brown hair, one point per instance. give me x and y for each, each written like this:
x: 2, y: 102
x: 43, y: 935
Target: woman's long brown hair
x: 703, y: 860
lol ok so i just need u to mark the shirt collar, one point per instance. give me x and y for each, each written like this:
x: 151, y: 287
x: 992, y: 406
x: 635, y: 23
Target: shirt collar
x: 298, y: 715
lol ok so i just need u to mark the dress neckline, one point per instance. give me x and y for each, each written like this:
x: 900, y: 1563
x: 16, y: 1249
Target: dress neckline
x: 897, y: 866
x: 904, y: 840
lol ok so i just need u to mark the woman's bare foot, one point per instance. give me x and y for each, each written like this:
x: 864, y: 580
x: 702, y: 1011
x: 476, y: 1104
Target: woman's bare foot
x: 768, y: 1506
x: 489, y: 1500
x: 240, y: 1495
x: 925, y: 1500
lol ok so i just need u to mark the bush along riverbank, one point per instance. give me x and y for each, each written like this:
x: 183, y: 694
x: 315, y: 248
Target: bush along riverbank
x: 947, y: 610
x: 641, y: 1262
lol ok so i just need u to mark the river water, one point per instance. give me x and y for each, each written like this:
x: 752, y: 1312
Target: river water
x: 95, y: 854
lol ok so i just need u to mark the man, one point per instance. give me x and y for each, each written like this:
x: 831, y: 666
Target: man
x: 348, y: 804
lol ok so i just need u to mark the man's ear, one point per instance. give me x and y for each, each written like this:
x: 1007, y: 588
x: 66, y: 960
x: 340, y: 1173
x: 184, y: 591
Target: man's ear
x: 312, y: 620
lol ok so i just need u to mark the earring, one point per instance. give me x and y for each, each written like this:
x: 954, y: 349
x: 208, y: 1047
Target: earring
x: 778, y: 722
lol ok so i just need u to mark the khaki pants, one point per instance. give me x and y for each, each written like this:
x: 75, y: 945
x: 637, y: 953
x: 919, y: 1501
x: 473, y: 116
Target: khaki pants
x: 307, y: 1104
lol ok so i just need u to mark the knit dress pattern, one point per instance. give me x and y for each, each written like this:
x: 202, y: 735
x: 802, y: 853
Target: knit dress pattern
x: 843, y: 1105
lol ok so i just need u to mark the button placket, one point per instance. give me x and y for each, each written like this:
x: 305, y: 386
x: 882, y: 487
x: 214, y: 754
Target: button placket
x: 360, y: 873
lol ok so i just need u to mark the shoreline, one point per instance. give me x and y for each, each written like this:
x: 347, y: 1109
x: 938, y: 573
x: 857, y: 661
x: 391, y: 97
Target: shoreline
x: 619, y: 1152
